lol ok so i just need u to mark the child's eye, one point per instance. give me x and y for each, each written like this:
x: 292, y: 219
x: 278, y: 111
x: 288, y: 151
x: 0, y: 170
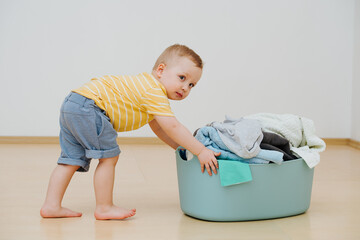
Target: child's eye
x: 182, y: 77
x: 191, y: 85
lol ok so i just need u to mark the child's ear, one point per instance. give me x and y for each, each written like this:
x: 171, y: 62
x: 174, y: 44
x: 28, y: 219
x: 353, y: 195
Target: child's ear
x: 160, y: 70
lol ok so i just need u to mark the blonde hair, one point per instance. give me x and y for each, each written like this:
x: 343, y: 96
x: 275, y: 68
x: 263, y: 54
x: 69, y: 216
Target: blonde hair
x: 180, y: 51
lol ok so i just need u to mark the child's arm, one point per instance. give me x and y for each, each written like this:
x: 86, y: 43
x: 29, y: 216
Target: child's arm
x: 180, y: 135
x: 155, y: 127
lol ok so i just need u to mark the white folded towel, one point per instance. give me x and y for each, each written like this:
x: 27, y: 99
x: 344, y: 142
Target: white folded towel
x: 299, y: 131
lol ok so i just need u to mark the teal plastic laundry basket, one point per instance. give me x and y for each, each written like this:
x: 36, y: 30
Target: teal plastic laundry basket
x: 275, y: 191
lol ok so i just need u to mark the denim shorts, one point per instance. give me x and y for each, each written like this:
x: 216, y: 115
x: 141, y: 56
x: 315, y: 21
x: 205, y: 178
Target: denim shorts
x: 85, y: 133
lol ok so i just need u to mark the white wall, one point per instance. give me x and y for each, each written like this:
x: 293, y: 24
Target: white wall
x: 275, y: 56
x: 356, y: 79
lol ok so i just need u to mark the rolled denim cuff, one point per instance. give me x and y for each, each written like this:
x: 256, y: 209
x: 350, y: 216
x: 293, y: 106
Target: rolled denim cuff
x: 98, y: 154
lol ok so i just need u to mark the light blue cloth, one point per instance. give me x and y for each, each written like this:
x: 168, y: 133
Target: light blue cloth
x: 211, y: 139
x: 232, y: 172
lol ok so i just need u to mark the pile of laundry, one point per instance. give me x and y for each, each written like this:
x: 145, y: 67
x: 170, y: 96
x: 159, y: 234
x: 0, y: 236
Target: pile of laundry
x: 260, y: 139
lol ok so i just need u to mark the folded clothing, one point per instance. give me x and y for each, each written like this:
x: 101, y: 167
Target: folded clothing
x: 241, y: 136
x: 209, y: 136
x: 299, y: 131
x: 272, y: 141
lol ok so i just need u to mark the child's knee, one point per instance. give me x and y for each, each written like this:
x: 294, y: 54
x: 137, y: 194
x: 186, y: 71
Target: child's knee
x: 112, y: 160
x: 67, y: 167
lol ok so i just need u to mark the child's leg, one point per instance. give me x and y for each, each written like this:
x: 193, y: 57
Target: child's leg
x: 103, y: 185
x: 58, y: 183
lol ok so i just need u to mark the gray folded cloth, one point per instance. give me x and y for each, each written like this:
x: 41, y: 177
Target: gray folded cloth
x: 242, y: 136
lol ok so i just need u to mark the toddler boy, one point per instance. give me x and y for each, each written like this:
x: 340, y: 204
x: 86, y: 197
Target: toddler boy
x: 92, y: 115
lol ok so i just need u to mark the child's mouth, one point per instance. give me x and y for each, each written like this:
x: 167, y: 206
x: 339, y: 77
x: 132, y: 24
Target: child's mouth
x: 179, y: 94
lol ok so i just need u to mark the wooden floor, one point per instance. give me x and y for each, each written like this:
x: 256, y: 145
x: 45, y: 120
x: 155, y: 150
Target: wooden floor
x: 146, y: 180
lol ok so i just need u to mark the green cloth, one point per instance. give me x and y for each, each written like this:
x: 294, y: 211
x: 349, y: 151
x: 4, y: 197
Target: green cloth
x: 234, y: 172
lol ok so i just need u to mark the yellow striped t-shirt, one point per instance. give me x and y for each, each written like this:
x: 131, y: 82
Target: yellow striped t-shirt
x: 129, y: 101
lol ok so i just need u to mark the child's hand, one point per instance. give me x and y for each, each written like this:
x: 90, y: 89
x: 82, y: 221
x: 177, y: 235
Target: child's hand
x: 207, y: 159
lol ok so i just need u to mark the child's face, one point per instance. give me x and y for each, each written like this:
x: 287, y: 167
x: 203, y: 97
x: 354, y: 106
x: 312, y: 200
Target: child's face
x: 178, y: 77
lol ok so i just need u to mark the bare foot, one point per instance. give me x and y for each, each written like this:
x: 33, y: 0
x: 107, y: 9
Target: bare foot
x: 113, y: 212
x: 49, y: 212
